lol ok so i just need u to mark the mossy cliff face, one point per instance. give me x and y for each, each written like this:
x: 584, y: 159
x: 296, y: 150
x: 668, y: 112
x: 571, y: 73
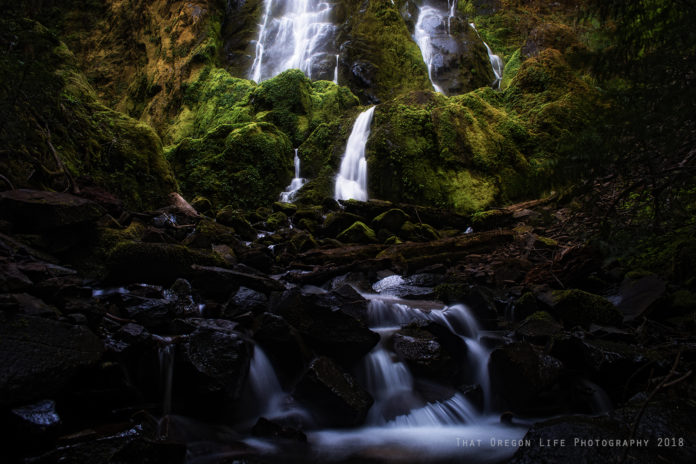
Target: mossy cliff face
x: 233, y: 140
x: 47, y: 104
x: 378, y: 58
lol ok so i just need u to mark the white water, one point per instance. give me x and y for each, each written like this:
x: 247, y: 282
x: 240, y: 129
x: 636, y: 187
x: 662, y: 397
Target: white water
x: 293, y: 34
x: 429, y: 19
x: 496, y: 61
x: 295, y: 185
x: 165, y: 354
x: 351, y: 181
x: 335, y: 79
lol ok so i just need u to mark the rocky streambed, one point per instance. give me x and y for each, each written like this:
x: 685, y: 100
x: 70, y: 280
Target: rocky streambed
x: 351, y: 332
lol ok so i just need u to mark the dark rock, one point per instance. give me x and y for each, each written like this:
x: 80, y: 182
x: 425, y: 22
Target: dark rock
x: 12, y: 279
x: 40, y: 356
x: 34, y: 210
x: 210, y: 369
x: 245, y: 300
x: 327, y: 328
x: 337, y: 222
x: 277, y: 221
x: 525, y: 306
x: 539, y: 328
x: 391, y: 220
x: 208, y: 233
x: 576, y: 307
x: 27, y: 305
x: 283, y: 343
x: 216, y: 281
x: 637, y: 295
x: 157, y: 263
x: 480, y: 300
x: 202, y: 205
x: 232, y: 217
x: 519, y: 374
x: 269, y: 429
x: 333, y: 395
x: 423, y: 353
x: 287, y: 208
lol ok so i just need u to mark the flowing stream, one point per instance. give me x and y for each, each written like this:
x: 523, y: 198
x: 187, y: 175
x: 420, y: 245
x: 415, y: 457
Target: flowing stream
x: 293, y: 34
x: 351, y: 181
x: 496, y: 61
x: 430, y: 21
x: 295, y: 185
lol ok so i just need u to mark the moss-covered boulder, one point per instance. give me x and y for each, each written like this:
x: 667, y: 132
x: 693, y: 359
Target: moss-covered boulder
x: 577, y: 307
x: 358, y: 233
x: 232, y: 217
x: 288, y: 208
x: 390, y: 220
x: 56, y: 129
x: 277, y: 220
x: 338, y: 221
x: 418, y: 232
x: 240, y: 165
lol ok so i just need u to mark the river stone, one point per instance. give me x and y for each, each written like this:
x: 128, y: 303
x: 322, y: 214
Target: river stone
x: 334, y: 396
x: 420, y: 349
x: 39, y: 356
x: 35, y: 210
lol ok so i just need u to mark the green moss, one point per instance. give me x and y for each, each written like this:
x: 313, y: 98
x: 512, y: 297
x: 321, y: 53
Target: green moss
x: 359, y: 232
x: 511, y: 68
x: 577, y: 307
x: 277, y: 220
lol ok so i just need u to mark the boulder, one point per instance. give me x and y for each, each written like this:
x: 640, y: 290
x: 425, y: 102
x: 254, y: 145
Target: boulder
x: 217, y: 281
x: 333, y: 396
x: 286, y: 208
x: 421, y: 350
x: 35, y: 210
x: 39, y: 356
x: 577, y: 307
x: 246, y: 300
x: 202, y: 205
x: 519, y: 375
x: 327, y: 327
x: 539, y: 328
x: 338, y: 221
x: 277, y: 221
x: 232, y: 217
x: 358, y: 233
x: 283, y: 343
x: 210, y: 370
x: 391, y: 220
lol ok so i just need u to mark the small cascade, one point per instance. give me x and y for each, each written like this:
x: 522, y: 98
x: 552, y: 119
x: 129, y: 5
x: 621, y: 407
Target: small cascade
x: 351, y: 182
x: 429, y: 19
x: 496, y: 61
x: 335, y: 79
x: 452, y: 4
x: 295, y: 185
x: 292, y: 35
x: 165, y: 355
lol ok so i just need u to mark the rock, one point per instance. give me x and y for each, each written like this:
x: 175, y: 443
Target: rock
x: 246, y: 300
x: 277, y: 220
x: 418, y: 232
x: 539, y: 328
x: 27, y: 305
x: 209, y: 233
x: 156, y: 263
x: 229, y: 216
x: 202, y: 205
x: 421, y: 350
x: 337, y: 222
x: 327, y: 328
x: 39, y: 357
x: 34, y: 210
x: 358, y: 233
x: 520, y: 375
x: 637, y: 295
x: 391, y: 220
x: 210, y: 369
x: 283, y: 343
x: 287, y: 208
x: 525, y: 306
x: 479, y: 299
x: 216, y: 281
x: 334, y: 397
x: 311, y: 213
x: 576, y: 307
x: 269, y: 429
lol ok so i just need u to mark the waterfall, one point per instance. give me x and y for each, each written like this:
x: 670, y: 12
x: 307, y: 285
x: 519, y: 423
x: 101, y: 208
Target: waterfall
x: 496, y: 61
x: 335, y: 79
x: 295, y: 185
x: 293, y: 34
x: 165, y: 355
x: 351, y: 181
x: 429, y: 20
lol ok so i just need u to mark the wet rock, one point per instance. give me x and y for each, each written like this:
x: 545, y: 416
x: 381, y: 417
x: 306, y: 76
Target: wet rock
x: 127, y: 339
x: 40, y: 356
x: 27, y: 305
x: 246, y: 300
x: 12, y: 279
x: 269, y: 429
x: 283, y: 343
x: 343, y: 298
x: 156, y: 314
x: 337, y: 222
x: 232, y: 217
x: 333, y: 395
x: 479, y: 299
x: 358, y: 233
x: 576, y: 307
x: 277, y: 220
x: 34, y: 210
x: 287, y: 208
x: 210, y: 369
x: 208, y: 233
x: 202, y: 205
x: 520, y: 374
x: 155, y: 262
x: 327, y: 328
x: 637, y: 295
x: 423, y: 353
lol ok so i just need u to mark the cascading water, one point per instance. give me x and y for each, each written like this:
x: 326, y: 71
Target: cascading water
x: 429, y: 19
x: 351, y: 182
x: 165, y: 355
x: 335, y: 79
x: 295, y: 185
x: 293, y: 34
x: 496, y: 61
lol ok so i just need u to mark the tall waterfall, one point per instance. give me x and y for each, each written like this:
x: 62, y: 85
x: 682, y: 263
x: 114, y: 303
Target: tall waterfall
x: 351, y: 182
x: 496, y: 61
x: 295, y: 185
x: 293, y: 34
x: 429, y: 20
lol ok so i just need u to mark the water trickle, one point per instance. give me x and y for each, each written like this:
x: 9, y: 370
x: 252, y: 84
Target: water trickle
x: 335, y: 79
x: 295, y: 185
x: 165, y: 354
x: 429, y: 19
x: 351, y: 182
x: 496, y: 61
x: 293, y: 34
